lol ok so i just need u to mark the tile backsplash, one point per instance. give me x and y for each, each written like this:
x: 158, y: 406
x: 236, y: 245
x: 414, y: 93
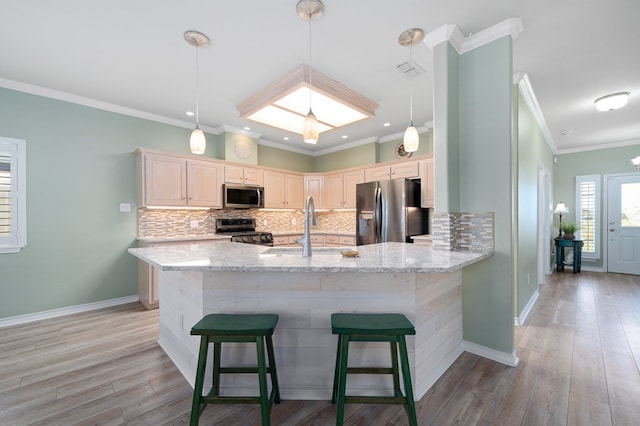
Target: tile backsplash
x: 169, y: 223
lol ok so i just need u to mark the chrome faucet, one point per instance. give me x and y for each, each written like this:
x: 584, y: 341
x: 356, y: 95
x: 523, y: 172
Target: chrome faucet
x: 309, y: 219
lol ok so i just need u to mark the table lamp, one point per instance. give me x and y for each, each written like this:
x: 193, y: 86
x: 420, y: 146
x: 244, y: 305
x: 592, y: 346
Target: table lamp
x: 560, y: 210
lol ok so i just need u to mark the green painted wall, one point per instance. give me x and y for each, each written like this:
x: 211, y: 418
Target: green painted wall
x: 602, y: 162
x: 347, y: 158
x: 533, y: 154
x: 281, y: 159
x: 80, y: 166
x: 387, y: 150
x: 486, y: 184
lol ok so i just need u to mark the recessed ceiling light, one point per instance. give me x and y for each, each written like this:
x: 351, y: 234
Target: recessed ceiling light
x: 247, y: 128
x: 286, y: 138
x: 387, y: 124
x: 612, y: 101
x: 344, y: 136
x: 189, y: 113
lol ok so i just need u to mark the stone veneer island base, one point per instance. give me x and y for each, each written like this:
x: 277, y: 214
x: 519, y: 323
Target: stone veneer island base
x: 423, y: 284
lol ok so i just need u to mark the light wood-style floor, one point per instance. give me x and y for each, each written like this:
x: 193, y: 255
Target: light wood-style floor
x: 579, y: 365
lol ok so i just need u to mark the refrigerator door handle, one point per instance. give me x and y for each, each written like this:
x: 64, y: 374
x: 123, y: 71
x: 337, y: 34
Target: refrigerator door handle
x: 377, y: 215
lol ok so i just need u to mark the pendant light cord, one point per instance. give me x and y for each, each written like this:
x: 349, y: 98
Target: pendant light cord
x: 197, y: 89
x: 310, y: 72
x: 411, y: 87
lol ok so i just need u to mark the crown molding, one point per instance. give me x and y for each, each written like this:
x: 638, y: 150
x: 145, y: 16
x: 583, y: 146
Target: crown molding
x: 105, y: 106
x: 395, y: 136
x: 608, y: 145
x: 511, y: 27
x: 235, y: 130
x: 529, y: 96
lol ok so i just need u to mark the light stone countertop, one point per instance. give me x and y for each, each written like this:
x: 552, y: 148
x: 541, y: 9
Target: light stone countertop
x: 238, y: 257
x: 184, y: 238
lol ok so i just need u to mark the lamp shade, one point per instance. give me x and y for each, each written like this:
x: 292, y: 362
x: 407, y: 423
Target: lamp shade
x: 561, y: 208
x: 310, y: 128
x: 411, y: 139
x: 197, y: 142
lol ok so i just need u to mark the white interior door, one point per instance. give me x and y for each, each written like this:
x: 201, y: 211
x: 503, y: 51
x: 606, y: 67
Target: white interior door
x: 623, y: 224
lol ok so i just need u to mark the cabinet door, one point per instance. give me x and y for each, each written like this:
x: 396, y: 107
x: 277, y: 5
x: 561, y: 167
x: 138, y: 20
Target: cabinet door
x: 233, y: 174
x: 253, y: 177
x: 164, y: 181
x: 408, y: 170
x: 372, y: 174
x: 294, y: 196
x: 203, y: 184
x: 351, y: 179
x: 427, y: 183
x: 333, y: 191
x: 314, y: 187
x: 274, y: 195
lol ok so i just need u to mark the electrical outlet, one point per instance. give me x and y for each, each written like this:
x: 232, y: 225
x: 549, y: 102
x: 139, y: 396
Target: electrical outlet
x: 528, y: 278
x: 294, y: 222
x: 194, y: 223
x: 125, y: 207
x: 265, y: 222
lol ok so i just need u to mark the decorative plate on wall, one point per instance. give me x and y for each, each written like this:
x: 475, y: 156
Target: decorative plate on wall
x: 401, y: 153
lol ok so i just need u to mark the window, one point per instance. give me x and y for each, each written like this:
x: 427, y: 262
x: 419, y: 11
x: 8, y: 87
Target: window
x: 13, y: 215
x: 588, y: 214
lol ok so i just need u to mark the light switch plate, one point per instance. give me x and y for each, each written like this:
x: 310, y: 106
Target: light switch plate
x: 194, y: 223
x: 125, y: 207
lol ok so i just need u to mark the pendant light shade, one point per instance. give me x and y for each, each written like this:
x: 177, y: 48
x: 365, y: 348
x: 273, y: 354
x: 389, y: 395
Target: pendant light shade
x: 308, y: 10
x: 411, y: 139
x: 310, y: 131
x: 197, y: 141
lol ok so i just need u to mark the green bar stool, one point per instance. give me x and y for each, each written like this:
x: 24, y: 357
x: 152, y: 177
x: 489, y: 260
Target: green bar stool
x: 390, y: 328
x: 223, y: 328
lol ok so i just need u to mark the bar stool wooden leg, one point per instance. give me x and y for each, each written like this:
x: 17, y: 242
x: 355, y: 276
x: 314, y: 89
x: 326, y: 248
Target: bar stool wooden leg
x: 272, y: 368
x: 262, y: 380
x: 336, y: 372
x: 342, y: 377
x: 408, y: 388
x: 197, y: 389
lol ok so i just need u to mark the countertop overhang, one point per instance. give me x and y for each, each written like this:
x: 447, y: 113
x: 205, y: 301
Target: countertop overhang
x: 238, y: 257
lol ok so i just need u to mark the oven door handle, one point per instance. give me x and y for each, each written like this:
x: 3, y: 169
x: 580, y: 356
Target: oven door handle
x: 259, y: 197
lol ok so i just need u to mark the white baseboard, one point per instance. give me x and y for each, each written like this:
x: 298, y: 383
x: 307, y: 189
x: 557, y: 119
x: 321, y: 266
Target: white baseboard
x: 38, y: 316
x: 502, y: 357
x: 519, y: 320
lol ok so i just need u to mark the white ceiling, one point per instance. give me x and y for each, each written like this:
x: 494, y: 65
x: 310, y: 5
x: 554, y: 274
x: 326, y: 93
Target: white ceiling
x: 133, y: 54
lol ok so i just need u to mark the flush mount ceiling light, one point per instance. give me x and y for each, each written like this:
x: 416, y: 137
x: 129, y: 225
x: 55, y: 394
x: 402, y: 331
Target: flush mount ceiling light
x: 612, y: 101
x: 197, y: 142
x: 411, y: 139
x: 636, y: 162
x: 285, y: 103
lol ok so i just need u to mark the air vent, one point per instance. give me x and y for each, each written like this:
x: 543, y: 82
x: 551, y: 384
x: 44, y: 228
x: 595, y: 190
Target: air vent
x: 409, y: 69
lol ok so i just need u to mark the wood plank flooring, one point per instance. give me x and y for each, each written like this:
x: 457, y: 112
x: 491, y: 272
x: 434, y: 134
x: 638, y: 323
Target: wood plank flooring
x: 579, y: 365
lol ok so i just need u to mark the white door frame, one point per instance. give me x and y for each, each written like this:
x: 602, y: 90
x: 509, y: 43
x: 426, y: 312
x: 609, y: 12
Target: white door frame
x: 605, y: 214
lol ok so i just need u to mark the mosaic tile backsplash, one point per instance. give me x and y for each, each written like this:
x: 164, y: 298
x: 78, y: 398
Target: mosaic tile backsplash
x: 169, y: 223
x: 463, y: 231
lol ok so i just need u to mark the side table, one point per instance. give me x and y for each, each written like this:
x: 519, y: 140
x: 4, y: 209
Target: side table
x: 561, y: 244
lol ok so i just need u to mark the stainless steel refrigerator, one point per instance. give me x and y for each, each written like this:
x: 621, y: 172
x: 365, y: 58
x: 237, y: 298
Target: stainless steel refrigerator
x: 389, y: 210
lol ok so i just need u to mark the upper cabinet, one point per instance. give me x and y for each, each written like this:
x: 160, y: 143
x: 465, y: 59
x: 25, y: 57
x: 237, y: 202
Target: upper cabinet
x: 408, y: 169
x: 314, y: 188
x: 243, y: 175
x: 340, y: 189
x: 165, y: 180
x: 283, y: 190
x: 427, y: 183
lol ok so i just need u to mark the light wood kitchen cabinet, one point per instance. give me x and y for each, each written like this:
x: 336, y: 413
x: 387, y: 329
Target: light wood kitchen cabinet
x: 283, y: 190
x: 340, y: 189
x: 173, y: 181
x: 314, y: 187
x: 339, y: 240
x: 408, y: 169
x: 427, y: 183
x: 243, y: 175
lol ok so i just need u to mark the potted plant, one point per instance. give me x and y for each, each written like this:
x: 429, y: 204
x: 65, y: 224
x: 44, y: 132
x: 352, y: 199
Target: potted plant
x: 569, y: 229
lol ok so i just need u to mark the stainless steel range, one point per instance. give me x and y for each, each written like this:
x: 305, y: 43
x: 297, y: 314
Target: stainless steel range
x: 243, y: 231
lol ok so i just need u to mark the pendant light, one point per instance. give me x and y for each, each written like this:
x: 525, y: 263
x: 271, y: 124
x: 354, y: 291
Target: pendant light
x: 411, y: 139
x: 308, y: 10
x: 197, y: 142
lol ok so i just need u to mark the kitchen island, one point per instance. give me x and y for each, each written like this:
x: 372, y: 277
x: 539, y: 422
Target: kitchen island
x: 422, y: 283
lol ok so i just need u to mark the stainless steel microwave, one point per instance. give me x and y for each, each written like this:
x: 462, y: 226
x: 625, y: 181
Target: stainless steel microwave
x: 243, y: 197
